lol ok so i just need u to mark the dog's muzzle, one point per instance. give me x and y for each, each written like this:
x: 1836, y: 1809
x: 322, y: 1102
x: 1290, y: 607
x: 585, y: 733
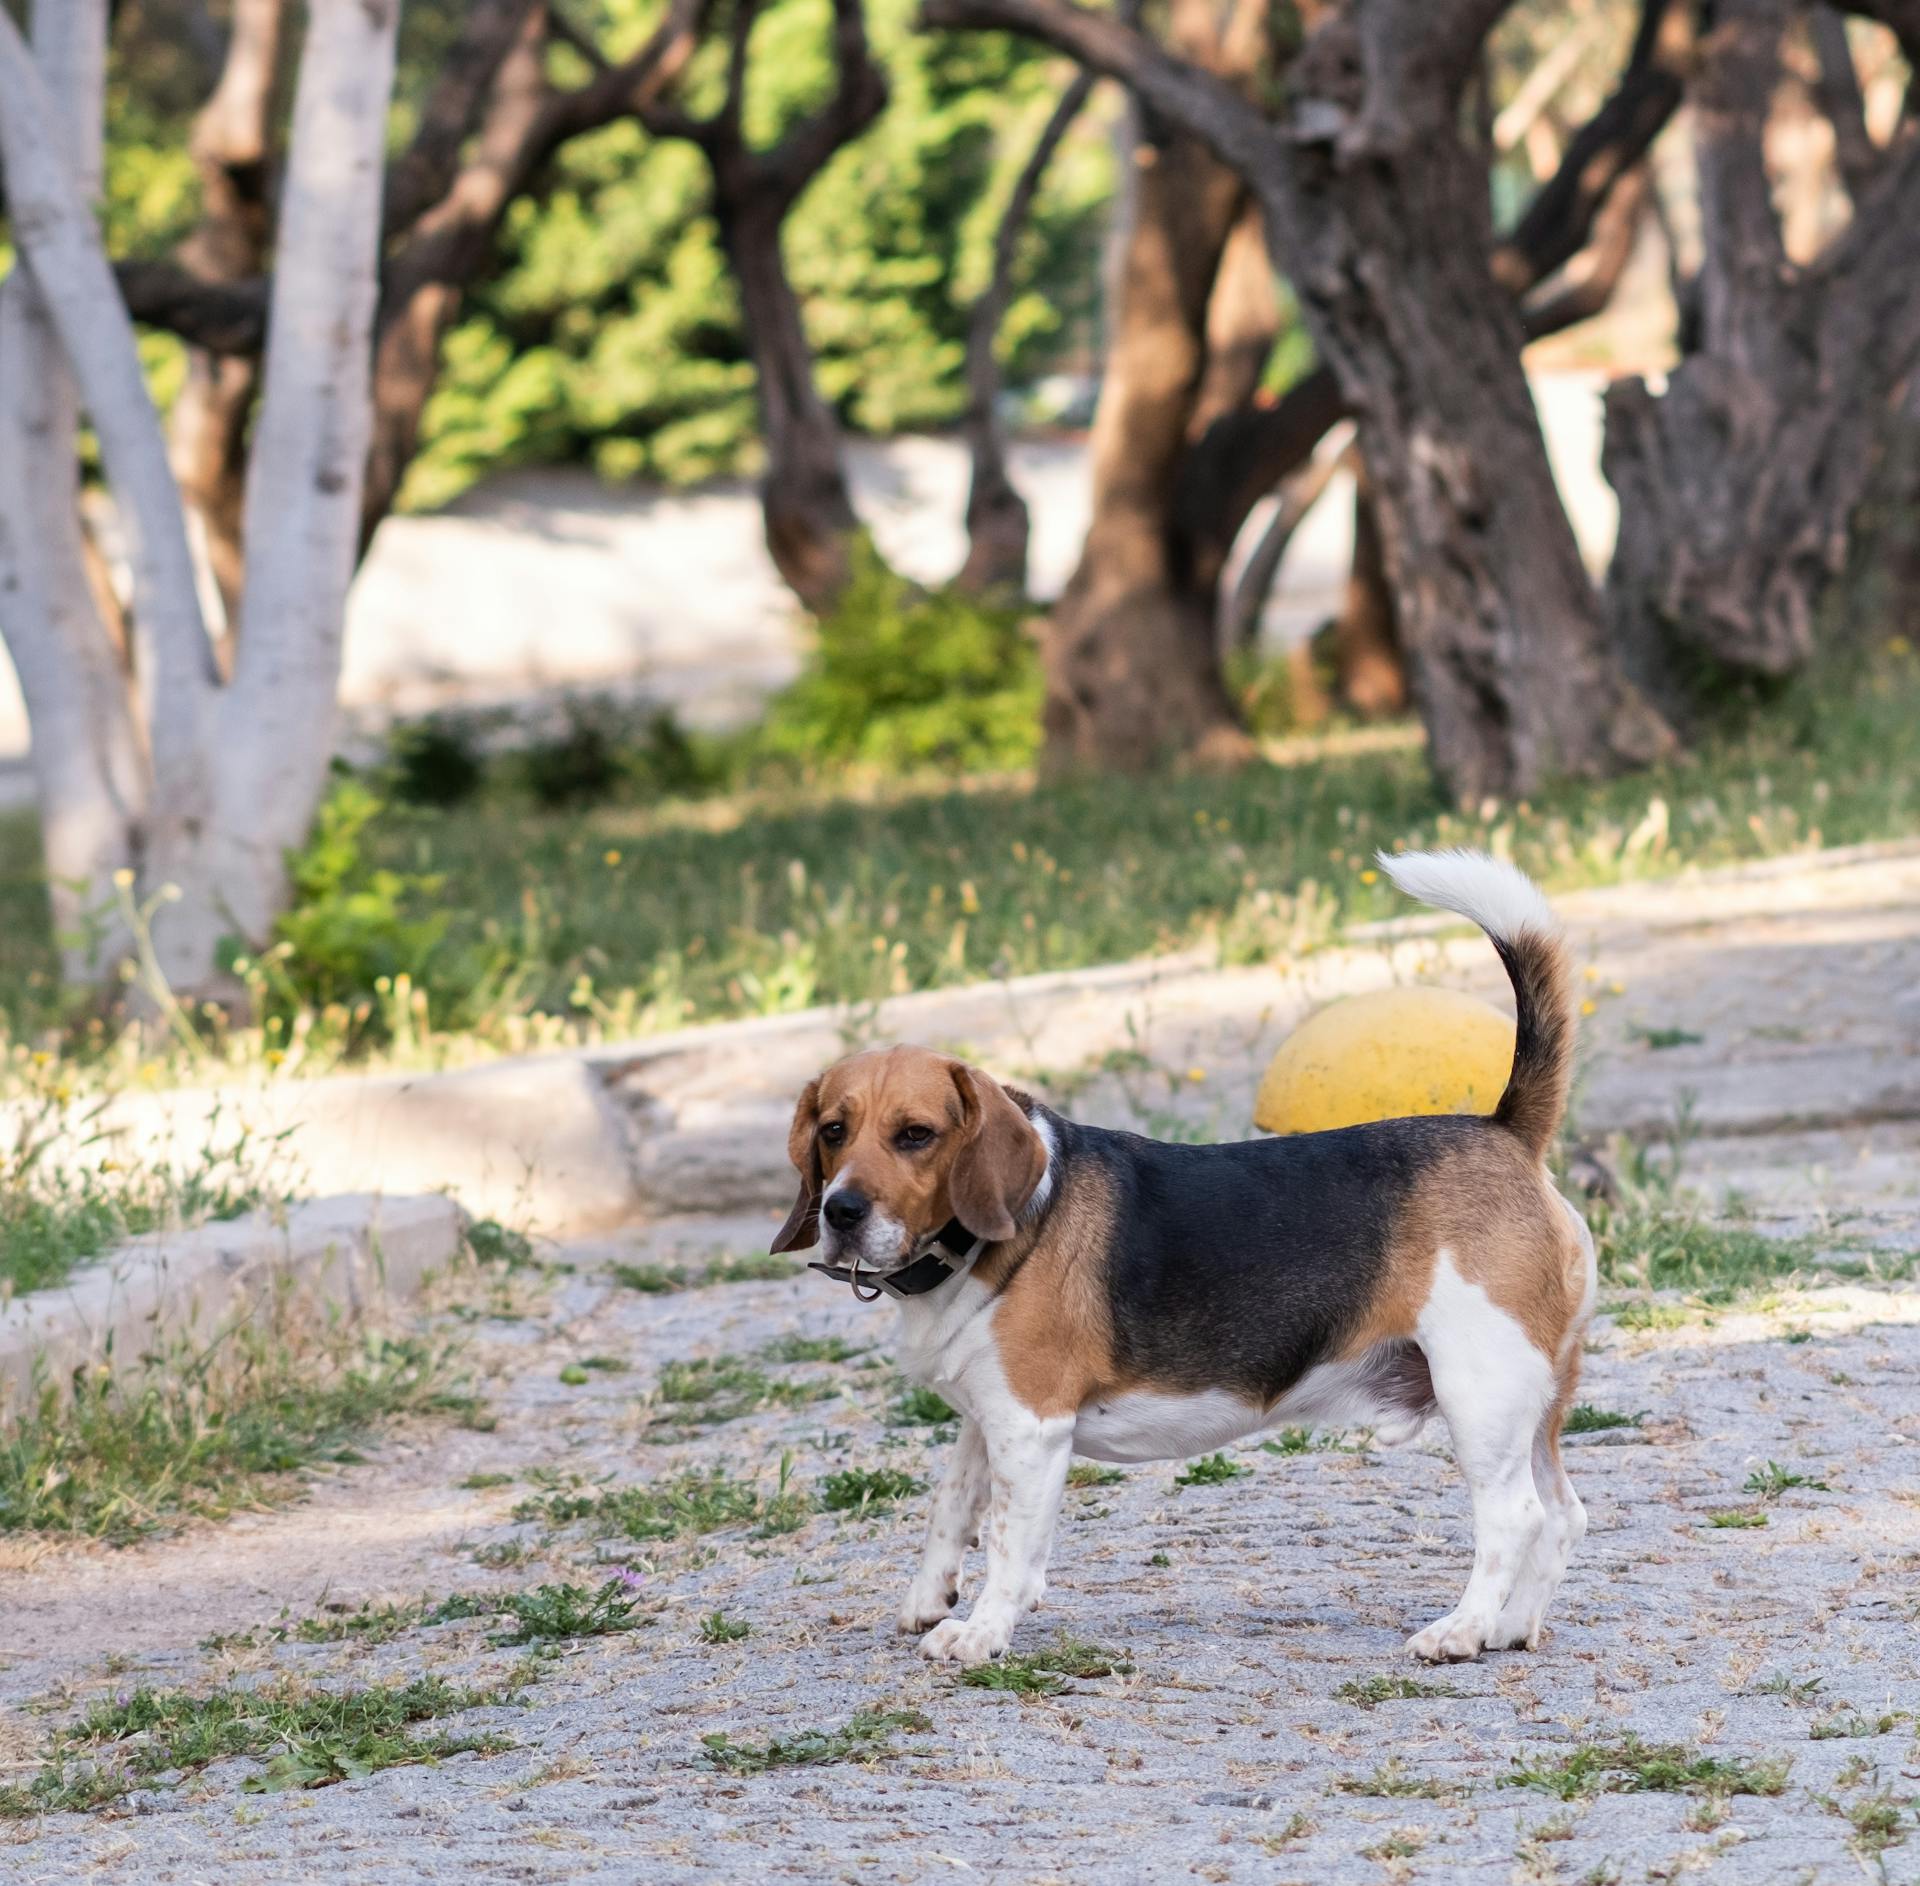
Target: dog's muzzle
x: 916, y: 1277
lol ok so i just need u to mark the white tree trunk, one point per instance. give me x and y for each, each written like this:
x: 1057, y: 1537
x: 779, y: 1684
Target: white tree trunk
x: 308, y: 460
x: 88, y: 764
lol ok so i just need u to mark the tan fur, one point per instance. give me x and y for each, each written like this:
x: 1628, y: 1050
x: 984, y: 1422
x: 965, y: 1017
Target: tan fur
x: 1493, y: 1207
x: 1054, y: 1327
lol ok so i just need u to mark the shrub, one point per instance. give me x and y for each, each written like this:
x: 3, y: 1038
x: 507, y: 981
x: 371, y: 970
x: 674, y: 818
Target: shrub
x: 904, y: 678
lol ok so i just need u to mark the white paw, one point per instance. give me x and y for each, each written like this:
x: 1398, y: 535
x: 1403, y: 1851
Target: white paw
x: 976, y: 1641
x: 1450, y: 1639
x: 924, y: 1606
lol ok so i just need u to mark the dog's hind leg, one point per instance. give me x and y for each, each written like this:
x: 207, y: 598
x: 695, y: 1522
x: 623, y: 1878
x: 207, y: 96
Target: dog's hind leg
x: 1565, y: 1525
x: 1495, y: 1389
x: 951, y: 1527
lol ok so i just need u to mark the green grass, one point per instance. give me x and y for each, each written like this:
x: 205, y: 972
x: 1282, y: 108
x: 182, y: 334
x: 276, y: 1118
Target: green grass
x: 1391, y: 1781
x: 1371, y: 1692
x: 1737, y: 1519
x: 682, y: 1506
x: 713, y: 1389
x: 812, y: 1349
x: 56, y: 1215
x: 204, y: 1433
x: 1042, y: 1672
x: 859, y: 1489
x: 1211, y: 1470
x: 865, y: 1738
x: 1584, y: 1418
x: 1087, y: 1473
x: 718, y: 1628
x: 1631, y: 1766
x: 1849, y: 1723
x: 654, y: 1280
x: 302, y: 1738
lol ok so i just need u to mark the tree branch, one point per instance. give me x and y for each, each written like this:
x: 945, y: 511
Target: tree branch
x: 859, y: 96
x: 423, y: 173
x: 1836, y: 90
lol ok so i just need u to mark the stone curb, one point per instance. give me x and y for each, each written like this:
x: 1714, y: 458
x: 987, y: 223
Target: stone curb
x: 355, y: 1251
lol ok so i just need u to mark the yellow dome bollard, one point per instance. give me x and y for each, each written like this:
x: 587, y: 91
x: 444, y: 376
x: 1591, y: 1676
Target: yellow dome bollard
x: 1386, y: 1055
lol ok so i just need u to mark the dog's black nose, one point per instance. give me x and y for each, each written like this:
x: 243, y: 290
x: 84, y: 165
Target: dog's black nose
x: 844, y: 1210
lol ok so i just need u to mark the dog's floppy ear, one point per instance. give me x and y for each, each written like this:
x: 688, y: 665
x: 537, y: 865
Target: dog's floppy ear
x: 802, y: 1228
x: 1000, y: 1161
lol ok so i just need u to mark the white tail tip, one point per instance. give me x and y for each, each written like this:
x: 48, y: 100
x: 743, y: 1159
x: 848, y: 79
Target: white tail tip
x: 1501, y: 899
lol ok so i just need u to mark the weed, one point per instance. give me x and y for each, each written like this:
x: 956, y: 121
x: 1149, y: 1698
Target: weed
x: 685, y: 1506
x: 1086, y: 1473
x: 1802, y: 1691
x: 1211, y: 1470
x: 1392, y: 1781
x: 750, y: 1267
x: 1042, y: 1672
x: 201, y: 1433
x: 713, y: 1389
x: 1631, y: 1766
x: 1669, y: 1037
x: 1402, y: 1844
x: 1370, y: 1692
x: 1289, y: 1441
x: 718, y: 1628
x: 812, y: 1349
x: 1880, y: 1820
x: 303, y: 1738
x: 1737, y: 1519
x: 1772, y: 1480
x: 481, y: 1482
x: 491, y: 1242
x: 559, y: 1613
x: 1584, y: 1418
x: 858, y: 1489
x: 1849, y: 1724
x: 866, y: 1738
x: 654, y: 1280
x: 917, y: 1406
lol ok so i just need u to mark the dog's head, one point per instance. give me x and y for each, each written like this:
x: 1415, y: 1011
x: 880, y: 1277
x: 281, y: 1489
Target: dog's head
x: 892, y: 1144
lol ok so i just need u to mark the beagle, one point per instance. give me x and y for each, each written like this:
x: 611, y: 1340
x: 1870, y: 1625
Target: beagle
x: 1076, y: 1291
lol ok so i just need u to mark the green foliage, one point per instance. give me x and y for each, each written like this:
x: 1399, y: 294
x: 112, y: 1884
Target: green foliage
x: 718, y: 1628
x: 683, y: 1506
x: 1584, y: 1418
x: 559, y: 1613
x: 611, y: 332
x: 903, y: 680
x: 1371, y: 1692
x: 1042, y: 1672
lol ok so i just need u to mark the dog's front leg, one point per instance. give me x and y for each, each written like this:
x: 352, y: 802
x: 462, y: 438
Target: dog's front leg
x: 950, y: 1530
x: 1027, y: 1461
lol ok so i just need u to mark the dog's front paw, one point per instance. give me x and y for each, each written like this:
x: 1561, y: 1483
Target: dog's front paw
x: 924, y: 1606
x: 978, y: 1640
x: 1450, y: 1639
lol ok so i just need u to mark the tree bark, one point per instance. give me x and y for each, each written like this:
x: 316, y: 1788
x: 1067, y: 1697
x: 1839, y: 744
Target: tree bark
x: 1131, y: 651
x: 1738, y: 486
x: 302, y: 503
x: 232, y: 152
x: 997, y: 528
x: 1369, y: 662
x: 89, y: 770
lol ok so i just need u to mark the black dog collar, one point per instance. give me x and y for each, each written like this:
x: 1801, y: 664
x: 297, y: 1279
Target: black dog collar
x: 923, y: 1274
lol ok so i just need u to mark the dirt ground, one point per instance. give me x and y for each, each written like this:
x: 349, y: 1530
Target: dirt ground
x: 1231, y: 1743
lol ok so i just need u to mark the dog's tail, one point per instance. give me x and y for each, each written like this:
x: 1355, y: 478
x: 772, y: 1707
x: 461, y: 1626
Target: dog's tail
x: 1508, y: 905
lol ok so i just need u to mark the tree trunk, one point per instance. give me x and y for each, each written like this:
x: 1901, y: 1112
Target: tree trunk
x: 1738, y: 486
x: 996, y: 513
x: 1368, y: 659
x: 88, y: 767
x: 303, y: 503
x: 231, y: 147
x: 1387, y: 223
x: 811, y: 526
x: 1131, y: 650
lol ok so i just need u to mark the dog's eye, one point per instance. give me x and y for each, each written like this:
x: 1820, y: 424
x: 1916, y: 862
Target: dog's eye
x: 912, y: 1138
x: 833, y: 1132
